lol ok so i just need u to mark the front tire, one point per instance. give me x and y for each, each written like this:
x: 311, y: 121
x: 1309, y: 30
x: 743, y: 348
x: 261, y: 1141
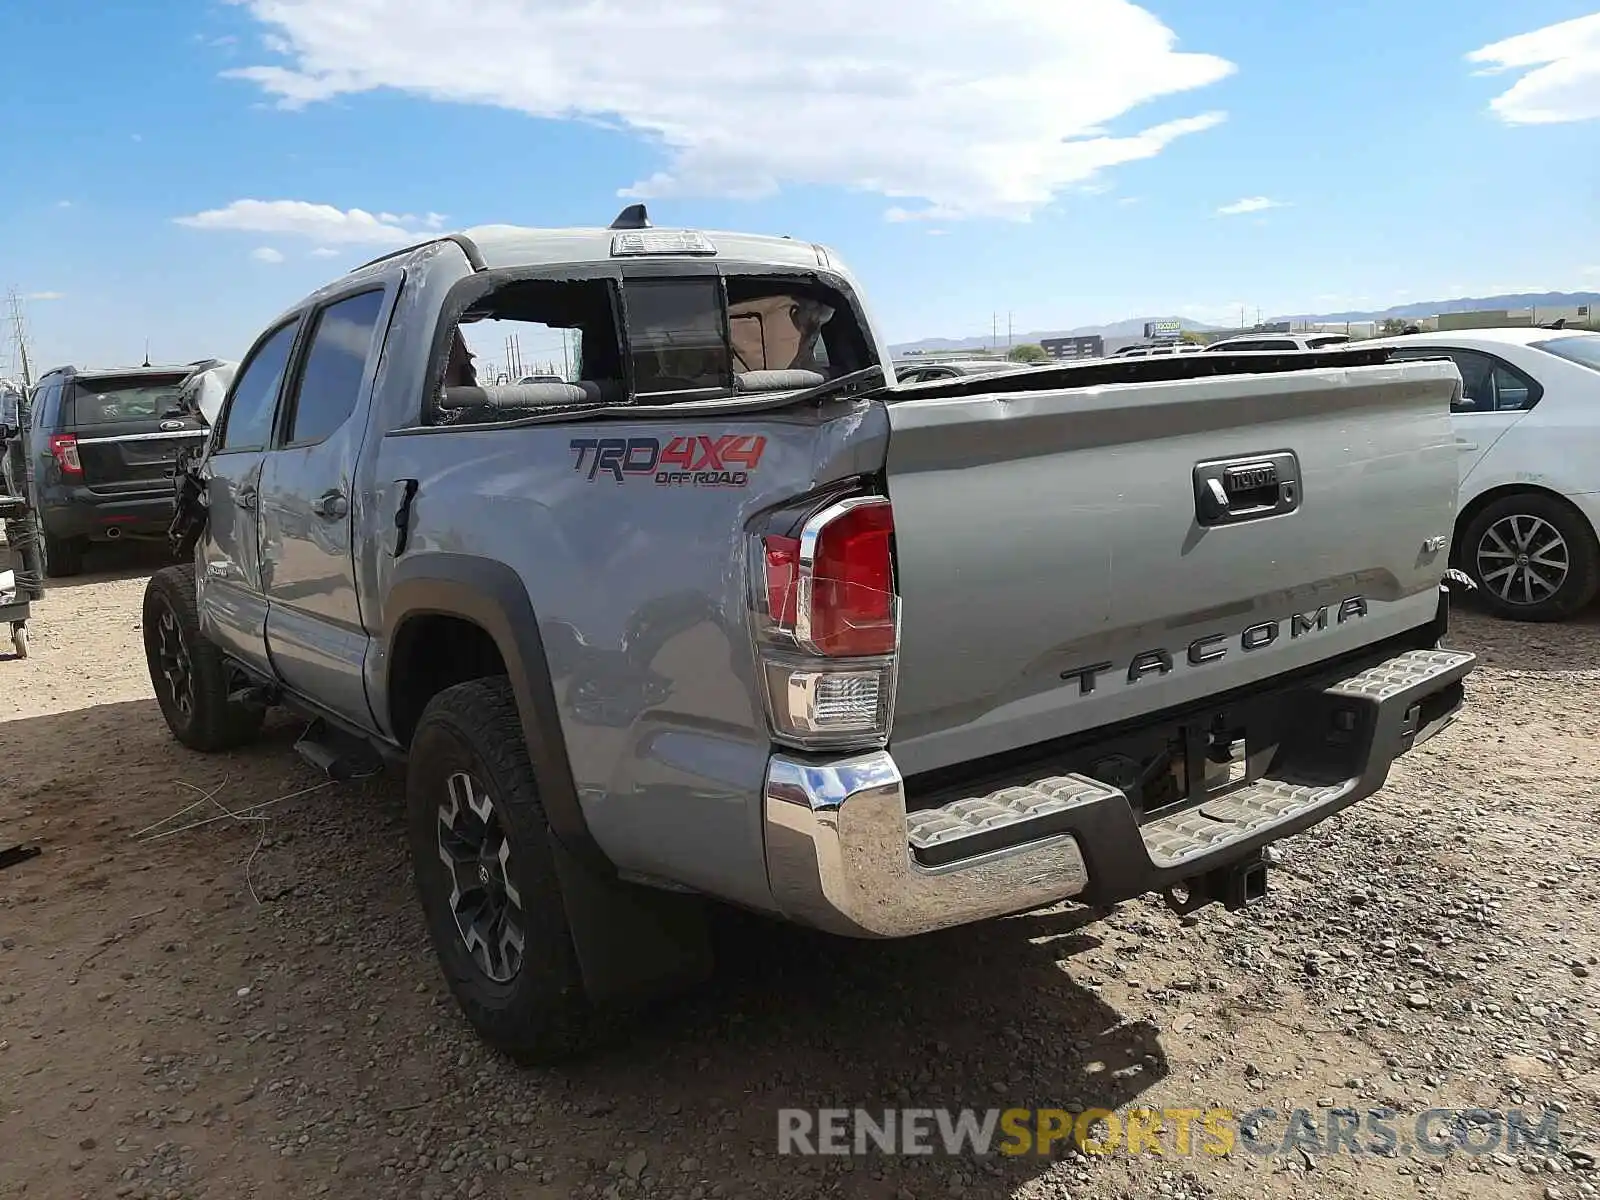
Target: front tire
x: 485, y: 874
x: 187, y: 671
x: 1533, y: 557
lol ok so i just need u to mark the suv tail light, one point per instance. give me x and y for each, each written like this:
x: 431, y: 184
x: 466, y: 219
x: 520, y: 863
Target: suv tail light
x: 65, y: 448
x: 828, y: 626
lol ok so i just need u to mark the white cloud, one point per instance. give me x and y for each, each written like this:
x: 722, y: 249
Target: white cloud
x: 318, y: 222
x: 266, y: 254
x: 1250, y: 204
x: 63, y: 203
x: 325, y: 252
x: 45, y: 296
x: 959, y: 109
x: 899, y: 215
x: 1562, y: 73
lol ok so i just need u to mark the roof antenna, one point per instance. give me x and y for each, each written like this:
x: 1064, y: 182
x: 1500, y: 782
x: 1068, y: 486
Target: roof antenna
x: 632, y: 217
x: 147, y: 352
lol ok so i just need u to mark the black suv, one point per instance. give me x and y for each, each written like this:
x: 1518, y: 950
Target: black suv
x: 103, y: 446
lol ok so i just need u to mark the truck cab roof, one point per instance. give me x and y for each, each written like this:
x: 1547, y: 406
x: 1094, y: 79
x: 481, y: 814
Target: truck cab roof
x: 510, y: 246
x: 497, y: 247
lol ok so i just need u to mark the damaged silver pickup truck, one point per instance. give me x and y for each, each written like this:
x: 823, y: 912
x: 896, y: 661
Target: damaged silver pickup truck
x: 728, y: 615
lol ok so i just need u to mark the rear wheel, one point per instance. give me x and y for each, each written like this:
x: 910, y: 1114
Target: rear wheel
x: 188, y: 672
x: 1533, y: 558
x: 485, y: 875
x: 62, y: 556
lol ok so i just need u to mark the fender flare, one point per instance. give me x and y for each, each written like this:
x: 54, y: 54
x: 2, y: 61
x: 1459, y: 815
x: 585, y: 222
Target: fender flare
x: 492, y: 596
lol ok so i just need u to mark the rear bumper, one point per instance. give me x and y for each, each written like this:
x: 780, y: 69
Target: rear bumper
x: 844, y: 855
x: 78, y: 511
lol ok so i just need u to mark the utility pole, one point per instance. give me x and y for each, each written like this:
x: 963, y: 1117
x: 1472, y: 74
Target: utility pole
x: 19, y: 334
x: 1241, y: 317
x: 1009, y: 335
x: 994, y: 332
x: 147, y: 352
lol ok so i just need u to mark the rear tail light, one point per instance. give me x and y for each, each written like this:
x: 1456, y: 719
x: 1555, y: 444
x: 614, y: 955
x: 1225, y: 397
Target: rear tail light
x: 828, y: 626
x: 65, y: 448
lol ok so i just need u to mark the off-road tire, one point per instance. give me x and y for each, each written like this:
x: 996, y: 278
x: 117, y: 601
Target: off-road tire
x: 541, y: 1014
x: 212, y: 722
x: 63, y: 557
x: 1582, y: 579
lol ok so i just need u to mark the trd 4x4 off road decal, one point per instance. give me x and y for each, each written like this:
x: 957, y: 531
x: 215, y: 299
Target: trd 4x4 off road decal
x: 687, y: 460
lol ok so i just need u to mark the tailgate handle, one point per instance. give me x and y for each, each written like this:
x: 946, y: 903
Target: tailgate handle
x: 1231, y: 491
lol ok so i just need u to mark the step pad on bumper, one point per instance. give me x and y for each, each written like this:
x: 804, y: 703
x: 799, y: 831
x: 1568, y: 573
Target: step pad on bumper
x: 1399, y: 674
x: 1015, y: 815
x: 1001, y: 818
x: 1196, y: 831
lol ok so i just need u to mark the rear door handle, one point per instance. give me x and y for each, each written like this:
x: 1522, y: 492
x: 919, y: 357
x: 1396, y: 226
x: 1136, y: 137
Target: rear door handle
x: 1463, y: 445
x: 330, y: 504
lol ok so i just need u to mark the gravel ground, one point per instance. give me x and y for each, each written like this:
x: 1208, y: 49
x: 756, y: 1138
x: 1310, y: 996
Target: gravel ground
x: 251, y: 1009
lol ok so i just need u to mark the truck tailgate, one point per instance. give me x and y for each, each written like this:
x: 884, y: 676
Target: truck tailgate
x: 1061, y: 568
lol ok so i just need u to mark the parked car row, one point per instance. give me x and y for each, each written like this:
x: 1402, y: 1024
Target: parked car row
x: 1527, y: 426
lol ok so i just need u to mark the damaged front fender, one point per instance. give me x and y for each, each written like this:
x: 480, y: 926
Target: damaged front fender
x: 190, y: 511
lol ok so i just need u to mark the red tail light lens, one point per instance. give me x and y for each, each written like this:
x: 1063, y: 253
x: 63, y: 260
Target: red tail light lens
x: 832, y: 588
x: 851, y: 611
x: 782, y: 555
x: 65, y: 448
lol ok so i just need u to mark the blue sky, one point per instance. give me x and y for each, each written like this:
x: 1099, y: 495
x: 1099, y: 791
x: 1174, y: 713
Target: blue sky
x: 1066, y: 161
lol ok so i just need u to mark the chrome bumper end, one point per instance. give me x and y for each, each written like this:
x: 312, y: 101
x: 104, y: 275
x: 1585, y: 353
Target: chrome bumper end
x: 838, y: 858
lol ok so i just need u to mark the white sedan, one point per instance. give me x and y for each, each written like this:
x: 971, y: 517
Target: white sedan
x: 1528, y: 430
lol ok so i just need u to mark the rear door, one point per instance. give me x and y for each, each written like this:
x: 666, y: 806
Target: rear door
x: 233, y: 607
x: 130, y: 429
x: 1494, y: 397
x: 315, y: 632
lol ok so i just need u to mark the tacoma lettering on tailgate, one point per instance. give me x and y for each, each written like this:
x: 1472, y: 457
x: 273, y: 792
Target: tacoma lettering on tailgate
x: 1214, y: 646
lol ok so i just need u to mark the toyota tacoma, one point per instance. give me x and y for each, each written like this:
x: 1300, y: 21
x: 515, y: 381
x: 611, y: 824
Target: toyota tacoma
x: 726, y: 614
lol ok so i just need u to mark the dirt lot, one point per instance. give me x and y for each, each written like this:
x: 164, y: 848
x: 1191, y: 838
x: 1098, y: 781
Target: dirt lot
x: 250, y: 1008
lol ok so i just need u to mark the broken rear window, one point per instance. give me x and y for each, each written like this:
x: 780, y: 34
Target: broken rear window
x: 533, y: 345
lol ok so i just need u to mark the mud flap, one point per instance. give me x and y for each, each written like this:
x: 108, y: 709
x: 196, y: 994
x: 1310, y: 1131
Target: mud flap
x: 633, y: 943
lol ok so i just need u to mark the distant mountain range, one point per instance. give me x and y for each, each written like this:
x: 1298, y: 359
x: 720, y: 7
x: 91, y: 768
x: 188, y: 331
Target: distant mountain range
x: 1134, y: 326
